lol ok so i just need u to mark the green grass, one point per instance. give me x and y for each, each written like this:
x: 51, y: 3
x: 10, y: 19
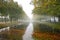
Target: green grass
x: 53, y: 25
x: 3, y: 24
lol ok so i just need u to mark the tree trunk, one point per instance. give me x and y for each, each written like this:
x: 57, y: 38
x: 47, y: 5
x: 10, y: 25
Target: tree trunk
x: 54, y: 19
x: 59, y: 18
x: 2, y: 19
x: 5, y: 19
x: 11, y: 20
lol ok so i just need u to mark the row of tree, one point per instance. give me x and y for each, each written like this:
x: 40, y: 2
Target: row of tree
x: 47, y: 7
x: 11, y: 9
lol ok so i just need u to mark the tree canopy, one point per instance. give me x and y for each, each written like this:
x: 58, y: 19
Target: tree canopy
x: 48, y: 7
x: 11, y: 8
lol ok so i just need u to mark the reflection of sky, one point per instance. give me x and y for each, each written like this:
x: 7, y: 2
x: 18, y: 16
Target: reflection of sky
x: 28, y: 32
x: 27, y: 7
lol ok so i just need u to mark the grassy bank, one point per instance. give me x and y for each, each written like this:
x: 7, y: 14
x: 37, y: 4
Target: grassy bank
x: 6, y: 24
x: 54, y: 25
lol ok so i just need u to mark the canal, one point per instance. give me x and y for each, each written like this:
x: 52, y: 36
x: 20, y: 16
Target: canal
x: 30, y: 31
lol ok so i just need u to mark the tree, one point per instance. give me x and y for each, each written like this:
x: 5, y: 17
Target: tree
x: 47, y: 7
x: 11, y: 8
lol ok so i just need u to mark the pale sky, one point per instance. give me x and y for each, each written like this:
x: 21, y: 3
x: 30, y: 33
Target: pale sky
x: 27, y: 7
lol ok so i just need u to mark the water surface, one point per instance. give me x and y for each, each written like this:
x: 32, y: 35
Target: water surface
x: 28, y: 32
